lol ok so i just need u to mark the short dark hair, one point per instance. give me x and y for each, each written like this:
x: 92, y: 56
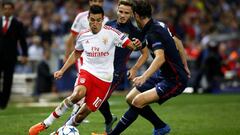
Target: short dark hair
x: 143, y: 8
x: 126, y: 3
x: 96, y: 10
x: 7, y: 3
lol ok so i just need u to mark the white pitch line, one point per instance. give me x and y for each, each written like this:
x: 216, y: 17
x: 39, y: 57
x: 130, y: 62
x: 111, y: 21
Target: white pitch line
x: 39, y: 104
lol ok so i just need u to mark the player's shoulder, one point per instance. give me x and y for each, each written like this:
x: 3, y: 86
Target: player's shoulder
x: 133, y: 27
x: 158, y: 24
x: 83, y: 32
x: 111, y: 29
x: 111, y: 22
x: 82, y: 15
x: 156, y: 27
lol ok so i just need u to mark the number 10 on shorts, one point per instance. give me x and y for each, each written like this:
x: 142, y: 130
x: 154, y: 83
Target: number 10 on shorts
x: 97, y: 102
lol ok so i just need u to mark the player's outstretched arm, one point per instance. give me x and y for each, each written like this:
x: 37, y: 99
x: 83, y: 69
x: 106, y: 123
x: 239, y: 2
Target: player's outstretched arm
x: 141, y: 60
x: 70, y: 61
x: 183, y: 54
x: 155, y: 65
x: 69, y: 45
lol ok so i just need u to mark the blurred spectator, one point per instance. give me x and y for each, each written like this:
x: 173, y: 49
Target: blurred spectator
x: 35, y: 52
x: 212, y: 68
x: 209, y: 65
x: 44, y: 80
x: 46, y: 34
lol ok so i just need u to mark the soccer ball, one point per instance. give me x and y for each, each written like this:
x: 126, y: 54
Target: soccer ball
x: 67, y: 130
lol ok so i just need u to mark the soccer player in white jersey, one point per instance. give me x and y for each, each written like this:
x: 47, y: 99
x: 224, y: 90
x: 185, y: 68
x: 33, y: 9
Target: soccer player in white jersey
x: 97, y: 47
x: 80, y: 23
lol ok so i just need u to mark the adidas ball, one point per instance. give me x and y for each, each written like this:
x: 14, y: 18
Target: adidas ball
x: 68, y: 130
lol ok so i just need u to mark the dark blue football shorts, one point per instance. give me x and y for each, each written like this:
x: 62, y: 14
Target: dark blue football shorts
x: 166, y: 88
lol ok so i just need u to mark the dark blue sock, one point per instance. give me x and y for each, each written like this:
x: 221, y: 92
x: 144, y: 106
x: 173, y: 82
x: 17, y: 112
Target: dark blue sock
x: 151, y: 116
x: 127, y: 119
x: 105, y: 111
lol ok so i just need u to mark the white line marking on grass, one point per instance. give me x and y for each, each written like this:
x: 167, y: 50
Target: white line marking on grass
x: 40, y: 104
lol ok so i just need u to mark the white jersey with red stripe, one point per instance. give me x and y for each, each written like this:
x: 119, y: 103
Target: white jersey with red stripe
x: 98, y: 50
x: 81, y: 22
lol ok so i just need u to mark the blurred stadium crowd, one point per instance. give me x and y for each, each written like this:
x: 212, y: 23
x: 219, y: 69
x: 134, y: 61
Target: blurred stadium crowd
x: 209, y: 30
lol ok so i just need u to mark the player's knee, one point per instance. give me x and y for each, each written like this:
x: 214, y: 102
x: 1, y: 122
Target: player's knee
x: 137, y: 102
x: 129, y: 99
x: 77, y: 94
x: 74, y: 98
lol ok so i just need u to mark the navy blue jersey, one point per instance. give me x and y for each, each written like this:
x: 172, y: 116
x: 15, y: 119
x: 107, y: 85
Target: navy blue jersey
x: 158, y: 36
x: 122, y: 54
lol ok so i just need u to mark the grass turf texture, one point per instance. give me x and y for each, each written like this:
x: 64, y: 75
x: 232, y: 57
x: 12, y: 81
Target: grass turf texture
x: 186, y: 115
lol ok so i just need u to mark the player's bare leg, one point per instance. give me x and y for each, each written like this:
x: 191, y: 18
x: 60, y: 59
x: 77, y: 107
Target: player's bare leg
x: 78, y: 93
x: 80, y: 116
x: 142, y: 99
x: 131, y: 95
x: 76, y: 108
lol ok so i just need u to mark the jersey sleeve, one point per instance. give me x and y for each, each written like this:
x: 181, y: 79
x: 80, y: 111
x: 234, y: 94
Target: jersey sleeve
x: 154, y: 40
x: 120, y: 39
x: 79, y: 46
x: 77, y: 25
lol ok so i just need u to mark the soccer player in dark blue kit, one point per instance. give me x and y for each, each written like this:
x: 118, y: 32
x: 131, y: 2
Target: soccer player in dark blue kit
x: 165, y: 78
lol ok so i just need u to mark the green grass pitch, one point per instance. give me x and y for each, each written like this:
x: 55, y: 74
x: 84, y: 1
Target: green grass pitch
x: 186, y: 115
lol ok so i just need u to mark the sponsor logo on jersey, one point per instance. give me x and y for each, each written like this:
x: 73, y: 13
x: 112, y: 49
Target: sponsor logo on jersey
x: 97, y: 54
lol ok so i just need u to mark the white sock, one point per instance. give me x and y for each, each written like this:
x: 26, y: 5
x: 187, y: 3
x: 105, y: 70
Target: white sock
x: 76, y: 108
x: 49, y: 120
x: 59, y: 111
x: 72, y: 121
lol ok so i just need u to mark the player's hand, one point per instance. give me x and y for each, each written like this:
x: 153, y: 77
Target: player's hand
x: 137, y: 43
x: 139, y: 81
x: 132, y: 73
x: 58, y: 74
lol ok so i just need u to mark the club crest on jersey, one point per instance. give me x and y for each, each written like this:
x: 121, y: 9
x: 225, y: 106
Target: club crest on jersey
x: 82, y: 80
x: 105, y: 40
